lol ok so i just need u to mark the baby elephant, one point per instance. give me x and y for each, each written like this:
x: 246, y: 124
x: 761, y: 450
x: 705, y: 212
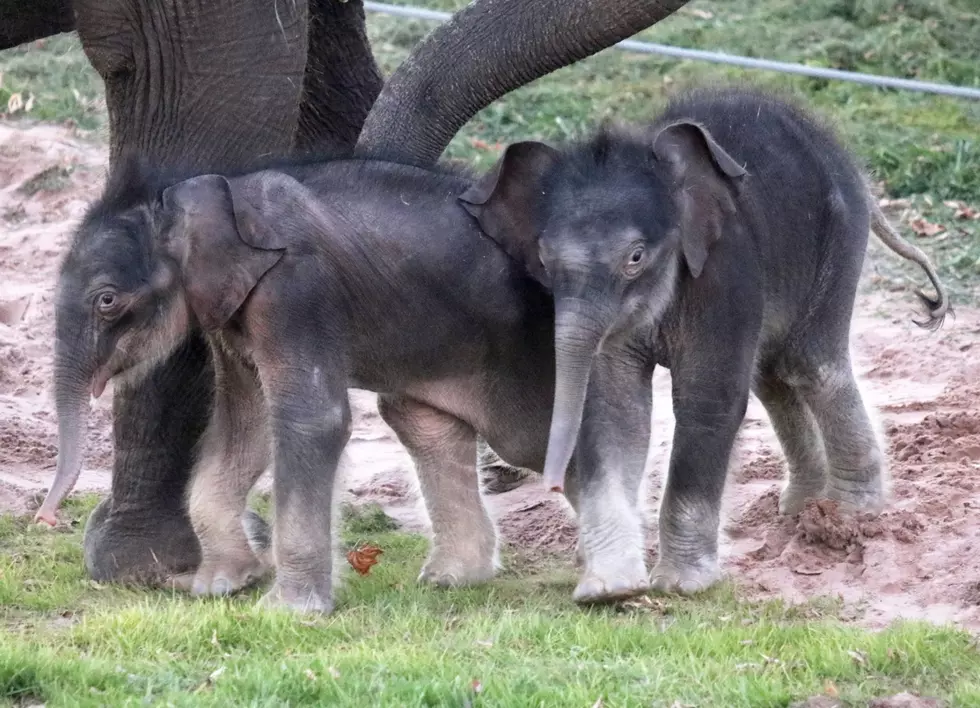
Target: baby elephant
x: 724, y: 242
x: 204, y: 256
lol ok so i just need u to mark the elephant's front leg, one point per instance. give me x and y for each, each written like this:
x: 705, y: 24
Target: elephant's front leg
x: 606, y: 476
x: 234, y: 452
x: 710, y: 398
x: 310, y: 421
x: 464, y: 544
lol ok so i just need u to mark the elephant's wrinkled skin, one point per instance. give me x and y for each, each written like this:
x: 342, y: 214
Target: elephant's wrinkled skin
x: 725, y: 243
x: 225, y: 83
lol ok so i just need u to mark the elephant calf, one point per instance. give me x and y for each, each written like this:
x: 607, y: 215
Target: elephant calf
x: 724, y: 241
x: 338, y: 274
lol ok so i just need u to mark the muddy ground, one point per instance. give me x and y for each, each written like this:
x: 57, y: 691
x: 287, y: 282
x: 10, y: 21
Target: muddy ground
x: 920, y: 559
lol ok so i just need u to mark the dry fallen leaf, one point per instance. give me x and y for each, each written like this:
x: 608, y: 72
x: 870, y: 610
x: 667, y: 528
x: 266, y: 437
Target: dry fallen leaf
x: 15, y: 103
x: 830, y: 688
x: 925, y: 228
x: 361, y: 559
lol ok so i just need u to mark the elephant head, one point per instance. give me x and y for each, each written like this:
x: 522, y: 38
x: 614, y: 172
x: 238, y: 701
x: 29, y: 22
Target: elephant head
x: 128, y: 298
x: 609, y: 227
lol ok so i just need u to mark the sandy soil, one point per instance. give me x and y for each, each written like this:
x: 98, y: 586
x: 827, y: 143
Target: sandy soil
x: 918, y: 560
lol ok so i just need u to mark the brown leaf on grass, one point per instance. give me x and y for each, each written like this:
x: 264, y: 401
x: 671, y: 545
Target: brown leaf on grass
x: 830, y: 688
x: 962, y: 210
x: 361, y: 559
x: 922, y: 227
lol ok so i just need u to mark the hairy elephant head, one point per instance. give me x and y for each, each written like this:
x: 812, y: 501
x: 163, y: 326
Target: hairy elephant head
x: 118, y: 310
x: 607, y: 226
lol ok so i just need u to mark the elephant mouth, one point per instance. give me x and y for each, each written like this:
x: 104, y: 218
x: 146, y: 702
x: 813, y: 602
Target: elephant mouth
x: 100, y: 379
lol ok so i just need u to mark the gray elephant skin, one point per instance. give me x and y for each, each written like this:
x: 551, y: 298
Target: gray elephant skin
x: 224, y: 85
x: 341, y: 274
x: 725, y: 242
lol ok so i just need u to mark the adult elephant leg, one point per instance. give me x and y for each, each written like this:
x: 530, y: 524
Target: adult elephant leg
x: 342, y: 79
x: 26, y: 20
x: 203, y: 85
x: 486, y: 50
x: 142, y: 532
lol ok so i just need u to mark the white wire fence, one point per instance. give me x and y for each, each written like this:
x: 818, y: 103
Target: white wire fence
x: 631, y: 45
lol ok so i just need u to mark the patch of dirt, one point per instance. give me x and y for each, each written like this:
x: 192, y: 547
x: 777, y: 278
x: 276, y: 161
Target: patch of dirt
x: 917, y: 560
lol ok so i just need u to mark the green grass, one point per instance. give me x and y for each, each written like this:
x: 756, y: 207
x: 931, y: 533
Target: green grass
x: 67, y: 641
x: 518, y: 641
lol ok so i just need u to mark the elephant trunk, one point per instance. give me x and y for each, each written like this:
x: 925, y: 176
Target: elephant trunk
x: 578, y: 334
x: 486, y: 50
x: 72, y: 391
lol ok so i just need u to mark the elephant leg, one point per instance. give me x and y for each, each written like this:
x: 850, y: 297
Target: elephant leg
x: 342, y: 79
x: 604, y: 483
x: 464, y: 545
x: 233, y: 454
x: 799, y: 436
x: 856, y: 464
x: 310, y: 423
x: 142, y: 531
x: 709, y: 405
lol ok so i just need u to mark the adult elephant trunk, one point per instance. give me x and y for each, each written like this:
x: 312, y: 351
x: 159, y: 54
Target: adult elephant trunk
x: 72, y: 389
x: 579, y: 330
x: 486, y: 50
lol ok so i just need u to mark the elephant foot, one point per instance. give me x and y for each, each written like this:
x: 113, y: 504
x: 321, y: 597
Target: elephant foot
x: 298, y: 598
x: 680, y: 579
x: 227, y: 576
x: 461, y: 567
x: 150, y: 549
x: 793, y: 498
x: 595, y: 589
x: 857, y: 497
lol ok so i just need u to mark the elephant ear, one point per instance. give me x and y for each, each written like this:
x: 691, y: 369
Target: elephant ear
x: 702, y: 174
x: 223, y: 243
x: 503, y: 201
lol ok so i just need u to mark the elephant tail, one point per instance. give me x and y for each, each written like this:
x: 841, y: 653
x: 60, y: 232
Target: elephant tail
x: 937, y: 307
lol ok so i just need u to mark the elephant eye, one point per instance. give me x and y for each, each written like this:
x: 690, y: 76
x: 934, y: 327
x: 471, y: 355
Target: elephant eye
x: 634, y: 262
x: 107, y: 302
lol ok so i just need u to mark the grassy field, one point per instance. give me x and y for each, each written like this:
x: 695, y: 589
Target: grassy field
x: 520, y: 641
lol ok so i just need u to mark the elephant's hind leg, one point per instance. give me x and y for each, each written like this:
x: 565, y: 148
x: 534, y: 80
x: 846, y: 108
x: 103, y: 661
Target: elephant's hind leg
x: 855, y: 461
x: 234, y: 452
x: 799, y: 436
x: 464, y: 546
